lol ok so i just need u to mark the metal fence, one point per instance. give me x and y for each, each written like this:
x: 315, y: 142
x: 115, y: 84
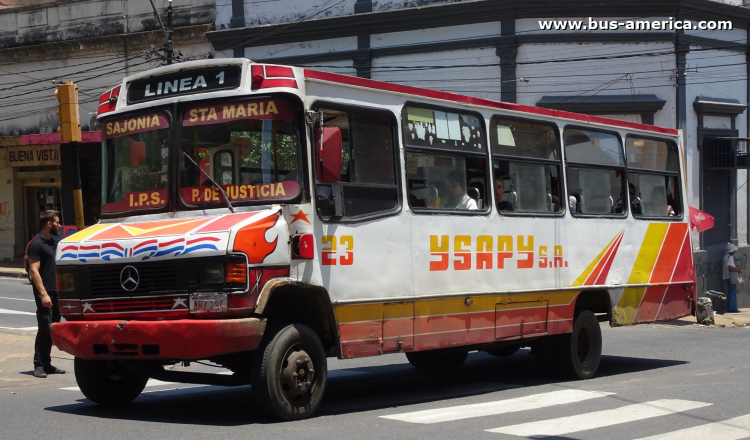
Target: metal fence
x: 724, y: 153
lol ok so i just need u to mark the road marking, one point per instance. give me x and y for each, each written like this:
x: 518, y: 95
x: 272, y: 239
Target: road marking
x: 599, y: 419
x: 17, y: 299
x: 525, y: 403
x: 19, y: 328
x: 732, y: 429
x: 15, y: 312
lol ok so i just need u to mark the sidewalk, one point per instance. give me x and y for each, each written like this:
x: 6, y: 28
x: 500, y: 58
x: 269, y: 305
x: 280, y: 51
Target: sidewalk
x: 12, y: 269
x: 741, y: 319
x: 16, y: 359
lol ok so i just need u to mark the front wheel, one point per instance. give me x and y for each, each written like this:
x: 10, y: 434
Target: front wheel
x: 289, y: 373
x: 108, y: 383
x: 580, y: 351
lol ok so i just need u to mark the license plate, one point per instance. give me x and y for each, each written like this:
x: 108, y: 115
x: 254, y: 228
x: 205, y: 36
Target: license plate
x: 208, y: 302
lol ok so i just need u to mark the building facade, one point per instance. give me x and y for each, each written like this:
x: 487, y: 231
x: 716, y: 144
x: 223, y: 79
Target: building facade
x: 94, y: 44
x: 674, y: 63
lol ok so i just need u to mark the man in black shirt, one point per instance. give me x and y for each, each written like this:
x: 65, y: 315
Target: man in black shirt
x: 42, y: 268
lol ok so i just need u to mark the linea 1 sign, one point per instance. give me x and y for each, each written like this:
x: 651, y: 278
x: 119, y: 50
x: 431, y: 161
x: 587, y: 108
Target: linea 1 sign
x: 34, y: 155
x: 185, y: 82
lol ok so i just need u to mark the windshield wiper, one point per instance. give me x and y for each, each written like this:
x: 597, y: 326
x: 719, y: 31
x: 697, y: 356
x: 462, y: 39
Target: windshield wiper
x: 226, y: 197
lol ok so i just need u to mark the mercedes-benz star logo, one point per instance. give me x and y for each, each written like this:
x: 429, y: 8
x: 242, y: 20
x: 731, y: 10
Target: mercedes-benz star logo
x: 129, y: 278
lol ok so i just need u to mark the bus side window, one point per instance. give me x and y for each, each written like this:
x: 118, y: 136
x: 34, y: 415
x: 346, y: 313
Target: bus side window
x: 368, y: 184
x: 446, y: 165
x: 653, y: 168
x: 596, y: 172
x: 526, y: 159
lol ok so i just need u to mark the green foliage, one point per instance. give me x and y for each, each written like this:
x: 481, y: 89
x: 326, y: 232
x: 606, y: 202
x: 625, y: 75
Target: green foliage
x: 286, y: 150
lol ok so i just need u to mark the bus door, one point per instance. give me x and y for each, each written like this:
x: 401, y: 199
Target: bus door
x: 364, y: 242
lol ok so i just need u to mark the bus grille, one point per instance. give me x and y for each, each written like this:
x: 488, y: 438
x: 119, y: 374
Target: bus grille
x: 104, y: 280
x: 140, y: 305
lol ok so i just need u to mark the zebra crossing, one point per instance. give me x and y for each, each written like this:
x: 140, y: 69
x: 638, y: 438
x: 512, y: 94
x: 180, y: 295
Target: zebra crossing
x: 730, y: 429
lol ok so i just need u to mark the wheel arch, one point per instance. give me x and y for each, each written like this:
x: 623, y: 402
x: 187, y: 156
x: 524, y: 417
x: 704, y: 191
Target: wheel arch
x: 597, y: 301
x: 286, y: 300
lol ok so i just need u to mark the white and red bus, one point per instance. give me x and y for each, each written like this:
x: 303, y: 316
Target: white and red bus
x: 266, y: 217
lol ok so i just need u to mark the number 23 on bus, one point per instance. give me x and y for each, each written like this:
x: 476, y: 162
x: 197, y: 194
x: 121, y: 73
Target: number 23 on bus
x: 484, y: 244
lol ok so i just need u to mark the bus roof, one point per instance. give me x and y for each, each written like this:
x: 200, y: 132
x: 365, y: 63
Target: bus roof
x: 464, y: 99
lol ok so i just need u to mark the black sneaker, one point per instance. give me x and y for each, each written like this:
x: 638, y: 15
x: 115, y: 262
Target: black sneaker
x: 51, y: 369
x: 39, y: 372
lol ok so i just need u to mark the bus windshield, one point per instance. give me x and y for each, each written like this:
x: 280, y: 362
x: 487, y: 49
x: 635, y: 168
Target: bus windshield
x: 135, y: 158
x: 250, y: 148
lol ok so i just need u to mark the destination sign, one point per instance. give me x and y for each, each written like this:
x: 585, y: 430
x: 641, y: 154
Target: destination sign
x: 186, y: 82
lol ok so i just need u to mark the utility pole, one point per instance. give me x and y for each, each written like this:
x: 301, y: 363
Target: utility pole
x: 70, y: 133
x: 168, y: 50
x: 168, y: 45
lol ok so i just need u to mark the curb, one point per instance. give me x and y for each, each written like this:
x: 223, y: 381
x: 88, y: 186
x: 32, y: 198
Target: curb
x: 12, y: 274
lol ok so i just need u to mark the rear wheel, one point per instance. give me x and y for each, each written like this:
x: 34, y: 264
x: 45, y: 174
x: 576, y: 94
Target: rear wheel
x: 108, y: 383
x: 289, y: 373
x: 437, y: 359
x: 580, y: 352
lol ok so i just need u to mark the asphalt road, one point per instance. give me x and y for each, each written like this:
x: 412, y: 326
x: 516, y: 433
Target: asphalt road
x: 653, y: 381
x: 17, y: 307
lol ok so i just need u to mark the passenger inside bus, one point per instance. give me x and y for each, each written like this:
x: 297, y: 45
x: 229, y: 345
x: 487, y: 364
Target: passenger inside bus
x: 457, y: 197
x: 635, y: 201
x: 502, y: 205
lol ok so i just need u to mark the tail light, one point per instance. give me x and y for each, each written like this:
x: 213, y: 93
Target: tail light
x: 259, y: 276
x: 108, y: 101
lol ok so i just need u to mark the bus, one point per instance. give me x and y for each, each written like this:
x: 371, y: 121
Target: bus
x: 265, y: 218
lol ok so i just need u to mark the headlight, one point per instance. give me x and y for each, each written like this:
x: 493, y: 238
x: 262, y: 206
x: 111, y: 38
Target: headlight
x: 65, y: 282
x: 212, y: 273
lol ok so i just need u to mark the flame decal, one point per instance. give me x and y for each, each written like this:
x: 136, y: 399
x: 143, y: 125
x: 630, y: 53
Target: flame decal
x: 251, y: 240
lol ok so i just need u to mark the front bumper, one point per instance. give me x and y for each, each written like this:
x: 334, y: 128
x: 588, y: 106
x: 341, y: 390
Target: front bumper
x: 183, y: 339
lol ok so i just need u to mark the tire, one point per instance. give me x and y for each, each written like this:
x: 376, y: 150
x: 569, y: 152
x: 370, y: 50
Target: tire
x: 277, y: 388
x: 101, y: 383
x: 437, y: 360
x: 579, y: 353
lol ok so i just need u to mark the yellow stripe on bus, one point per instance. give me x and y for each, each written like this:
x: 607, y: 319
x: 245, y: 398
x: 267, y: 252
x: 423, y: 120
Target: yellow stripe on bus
x: 642, y: 268
x: 86, y: 233
x: 582, y: 278
x: 448, y: 306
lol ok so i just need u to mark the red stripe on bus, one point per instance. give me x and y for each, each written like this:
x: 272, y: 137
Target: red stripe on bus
x: 144, y: 243
x: 670, y: 250
x: 684, y: 269
x: 379, y: 85
x: 675, y: 304
x: 608, y: 260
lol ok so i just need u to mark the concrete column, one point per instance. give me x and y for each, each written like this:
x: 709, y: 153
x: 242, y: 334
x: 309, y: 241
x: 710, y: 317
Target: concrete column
x: 506, y: 50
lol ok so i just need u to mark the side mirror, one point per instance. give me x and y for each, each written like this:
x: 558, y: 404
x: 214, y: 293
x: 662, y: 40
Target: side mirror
x: 328, y: 154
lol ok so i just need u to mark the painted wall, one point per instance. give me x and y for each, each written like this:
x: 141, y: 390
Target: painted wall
x: 719, y: 74
x: 7, y: 209
x: 473, y: 72
x: 282, y: 11
x: 64, y: 21
x: 41, y: 46
x: 617, y: 72
x: 300, y: 48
